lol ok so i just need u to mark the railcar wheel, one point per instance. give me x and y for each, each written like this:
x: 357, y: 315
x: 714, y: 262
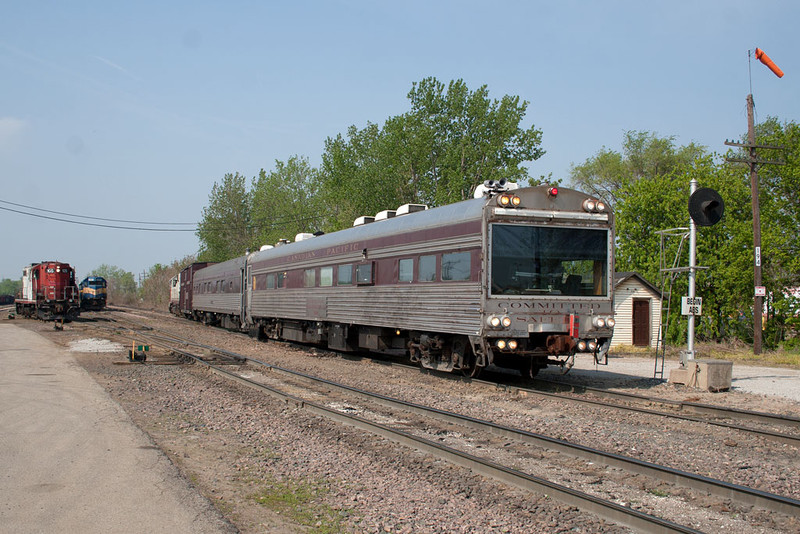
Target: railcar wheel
x: 471, y: 372
x: 469, y: 367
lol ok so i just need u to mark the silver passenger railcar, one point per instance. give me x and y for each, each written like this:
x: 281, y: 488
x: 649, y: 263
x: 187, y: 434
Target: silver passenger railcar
x: 217, y: 293
x: 518, y: 278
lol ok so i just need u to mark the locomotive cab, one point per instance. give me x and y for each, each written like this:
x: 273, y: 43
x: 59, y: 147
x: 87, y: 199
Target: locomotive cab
x: 548, y: 289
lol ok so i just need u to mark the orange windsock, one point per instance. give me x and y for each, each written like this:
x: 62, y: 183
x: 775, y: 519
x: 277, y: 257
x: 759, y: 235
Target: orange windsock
x: 764, y: 58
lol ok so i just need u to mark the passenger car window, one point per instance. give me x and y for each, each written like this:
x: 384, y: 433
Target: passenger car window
x: 345, y: 277
x: 326, y: 276
x: 309, y: 278
x: 427, y: 269
x: 406, y: 270
x: 364, y: 273
x: 456, y: 266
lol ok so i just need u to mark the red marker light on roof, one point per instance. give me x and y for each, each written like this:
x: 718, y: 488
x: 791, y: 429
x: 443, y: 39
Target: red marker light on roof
x: 553, y: 192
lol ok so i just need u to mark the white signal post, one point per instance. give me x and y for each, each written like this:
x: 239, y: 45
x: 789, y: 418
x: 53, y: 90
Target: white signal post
x: 689, y: 354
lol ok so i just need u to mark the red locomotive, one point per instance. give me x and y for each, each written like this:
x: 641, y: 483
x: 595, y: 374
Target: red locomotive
x: 49, y: 292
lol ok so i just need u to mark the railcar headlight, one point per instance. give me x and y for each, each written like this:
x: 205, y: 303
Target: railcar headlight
x: 504, y: 200
x: 581, y: 345
x: 610, y: 322
x: 501, y: 344
x: 506, y: 321
x: 600, y: 206
x: 493, y: 321
x: 515, y: 201
x: 589, y: 205
x: 599, y: 322
x: 512, y: 344
x: 592, y: 345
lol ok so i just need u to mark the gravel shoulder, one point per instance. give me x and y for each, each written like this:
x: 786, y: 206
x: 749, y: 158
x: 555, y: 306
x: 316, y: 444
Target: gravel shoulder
x: 270, y: 468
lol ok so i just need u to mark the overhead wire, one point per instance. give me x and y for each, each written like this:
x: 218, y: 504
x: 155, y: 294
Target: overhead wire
x: 274, y: 223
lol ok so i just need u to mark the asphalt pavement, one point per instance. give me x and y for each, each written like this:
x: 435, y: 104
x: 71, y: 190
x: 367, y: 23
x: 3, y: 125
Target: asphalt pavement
x: 71, y: 460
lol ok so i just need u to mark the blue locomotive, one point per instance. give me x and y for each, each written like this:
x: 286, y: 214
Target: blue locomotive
x: 93, y: 293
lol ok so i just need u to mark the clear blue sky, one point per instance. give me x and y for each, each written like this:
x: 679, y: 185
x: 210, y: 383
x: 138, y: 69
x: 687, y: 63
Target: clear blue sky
x: 133, y: 110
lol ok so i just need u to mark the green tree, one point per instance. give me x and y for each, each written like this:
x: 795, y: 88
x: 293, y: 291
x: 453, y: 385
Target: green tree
x: 450, y: 141
x: 284, y: 202
x: 780, y: 217
x: 121, y: 284
x: 10, y: 287
x: 644, y: 155
x: 155, y: 290
x: 224, y: 230
x: 470, y: 138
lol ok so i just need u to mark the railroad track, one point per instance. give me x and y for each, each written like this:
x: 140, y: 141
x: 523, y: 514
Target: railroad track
x: 714, y: 415
x: 304, y: 391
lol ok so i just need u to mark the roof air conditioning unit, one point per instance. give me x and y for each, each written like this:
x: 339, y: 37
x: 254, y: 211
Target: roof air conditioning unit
x: 364, y: 219
x: 405, y: 209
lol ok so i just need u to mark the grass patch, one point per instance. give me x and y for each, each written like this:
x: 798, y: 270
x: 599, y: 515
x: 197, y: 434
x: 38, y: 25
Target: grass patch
x: 303, y: 502
x: 736, y: 352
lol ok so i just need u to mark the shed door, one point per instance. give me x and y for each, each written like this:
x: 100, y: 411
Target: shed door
x: 641, y: 322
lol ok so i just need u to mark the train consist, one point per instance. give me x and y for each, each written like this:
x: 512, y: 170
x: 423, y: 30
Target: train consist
x: 517, y: 278
x: 49, y: 292
x: 93, y: 293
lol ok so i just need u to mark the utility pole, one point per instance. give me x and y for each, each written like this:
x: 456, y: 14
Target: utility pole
x: 753, y: 161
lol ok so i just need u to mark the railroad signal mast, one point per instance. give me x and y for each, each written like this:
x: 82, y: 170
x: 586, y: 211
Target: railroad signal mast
x: 753, y: 161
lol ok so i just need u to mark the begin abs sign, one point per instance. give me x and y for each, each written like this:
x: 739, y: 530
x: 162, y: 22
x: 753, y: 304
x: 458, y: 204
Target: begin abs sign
x: 691, y: 306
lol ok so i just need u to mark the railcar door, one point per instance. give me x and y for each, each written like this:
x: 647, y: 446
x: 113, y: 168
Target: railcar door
x: 247, y: 294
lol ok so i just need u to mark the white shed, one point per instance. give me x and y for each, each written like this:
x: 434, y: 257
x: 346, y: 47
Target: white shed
x: 637, y: 311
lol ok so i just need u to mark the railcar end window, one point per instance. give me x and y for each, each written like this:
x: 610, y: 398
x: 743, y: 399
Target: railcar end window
x: 456, y: 266
x: 364, y: 274
x: 271, y: 281
x: 529, y: 260
x: 345, y: 275
x: 406, y: 270
x: 326, y: 276
x: 427, y: 269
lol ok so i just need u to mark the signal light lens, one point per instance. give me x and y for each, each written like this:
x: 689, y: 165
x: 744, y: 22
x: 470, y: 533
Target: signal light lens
x: 553, y: 192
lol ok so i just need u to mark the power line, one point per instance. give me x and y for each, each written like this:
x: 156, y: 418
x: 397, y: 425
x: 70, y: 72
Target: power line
x: 94, y: 218
x: 274, y: 222
x: 100, y: 225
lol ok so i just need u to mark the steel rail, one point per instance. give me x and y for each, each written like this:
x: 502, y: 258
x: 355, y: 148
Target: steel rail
x: 718, y: 488
x: 608, y: 510
x: 696, y: 407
